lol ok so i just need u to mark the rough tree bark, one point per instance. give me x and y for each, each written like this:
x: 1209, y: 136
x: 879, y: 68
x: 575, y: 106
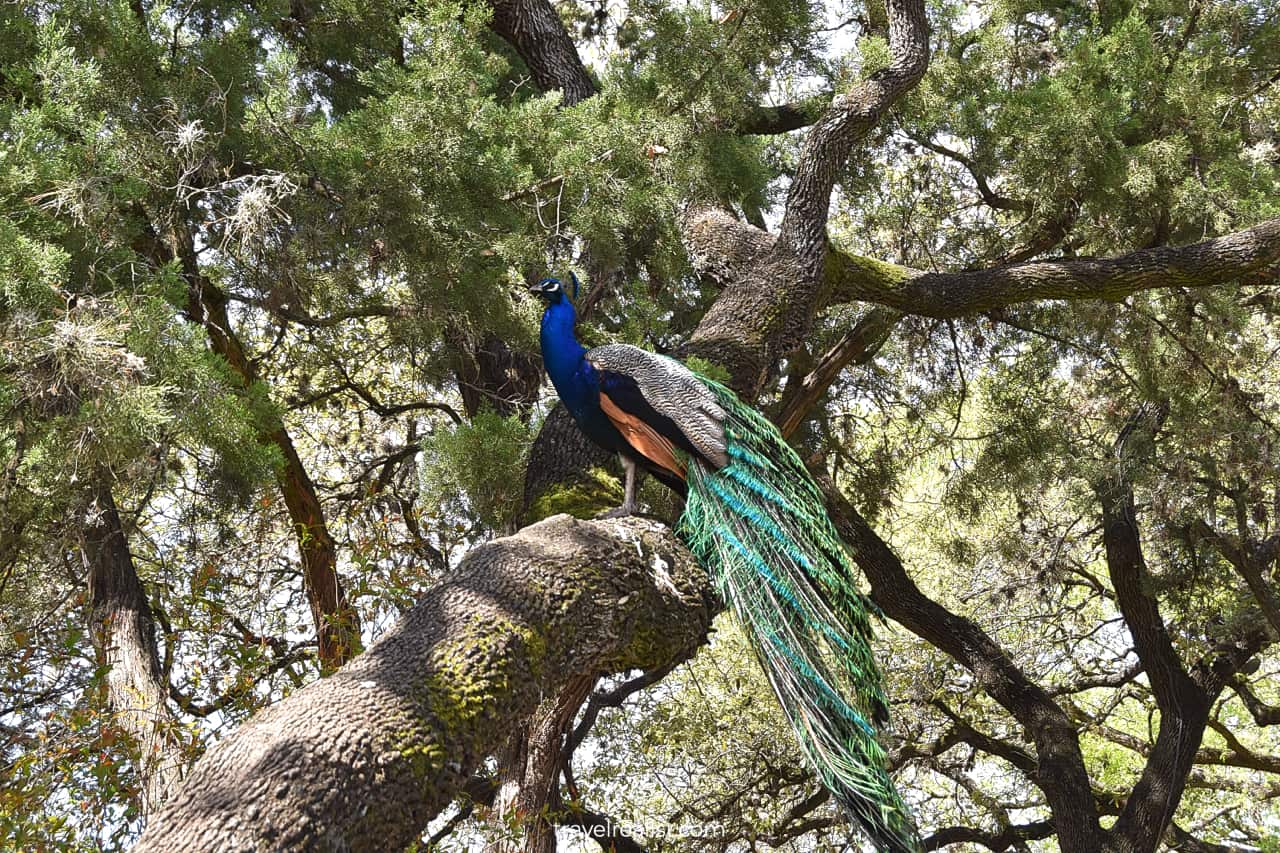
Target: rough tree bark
x: 1183, y: 697
x: 362, y: 760
x: 763, y: 315
x: 123, y: 633
x: 726, y: 249
x: 534, y: 29
x: 529, y: 770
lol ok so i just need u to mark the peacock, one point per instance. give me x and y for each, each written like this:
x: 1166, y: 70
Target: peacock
x: 754, y: 518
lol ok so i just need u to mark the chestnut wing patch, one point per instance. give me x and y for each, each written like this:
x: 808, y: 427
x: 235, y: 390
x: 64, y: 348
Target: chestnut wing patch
x: 646, y: 440
x: 652, y: 434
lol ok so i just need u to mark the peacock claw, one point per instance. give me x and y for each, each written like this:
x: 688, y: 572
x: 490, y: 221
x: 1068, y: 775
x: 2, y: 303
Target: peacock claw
x: 623, y: 511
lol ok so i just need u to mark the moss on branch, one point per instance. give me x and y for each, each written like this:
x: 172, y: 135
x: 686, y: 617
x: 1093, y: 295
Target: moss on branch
x: 364, y: 759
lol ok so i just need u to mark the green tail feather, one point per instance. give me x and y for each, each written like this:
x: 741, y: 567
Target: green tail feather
x: 760, y: 528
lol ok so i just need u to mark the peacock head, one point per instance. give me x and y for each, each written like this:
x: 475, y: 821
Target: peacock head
x: 551, y: 290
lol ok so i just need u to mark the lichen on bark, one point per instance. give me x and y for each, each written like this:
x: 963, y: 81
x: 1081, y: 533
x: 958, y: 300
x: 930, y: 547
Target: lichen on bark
x: 364, y: 759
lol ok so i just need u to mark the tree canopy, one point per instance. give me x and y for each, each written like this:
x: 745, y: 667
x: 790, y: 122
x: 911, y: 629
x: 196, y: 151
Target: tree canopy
x: 1005, y: 273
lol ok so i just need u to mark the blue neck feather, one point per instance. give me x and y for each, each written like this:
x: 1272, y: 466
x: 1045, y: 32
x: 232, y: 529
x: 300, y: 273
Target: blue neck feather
x: 576, y: 381
x: 574, y: 378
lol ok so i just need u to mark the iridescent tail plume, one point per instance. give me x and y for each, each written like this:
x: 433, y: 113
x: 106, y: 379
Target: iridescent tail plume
x: 760, y: 528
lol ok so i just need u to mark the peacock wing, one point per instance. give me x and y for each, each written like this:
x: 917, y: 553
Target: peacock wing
x: 661, y: 400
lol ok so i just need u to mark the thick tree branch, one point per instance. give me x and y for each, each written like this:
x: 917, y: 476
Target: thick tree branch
x: 564, y: 473
x: 1060, y: 770
x: 1184, y: 705
x: 858, y: 346
x: 529, y: 771
x: 1007, y: 837
x: 770, y: 120
x: 828, y: 145
x: 941, y: 295
x: 762, y: 316
x: 725, y: 248
x: 534, y: 29
x: 362, y: 760
x: 722, y: 247
x: 1262, y: 713
x: 1170, y: 683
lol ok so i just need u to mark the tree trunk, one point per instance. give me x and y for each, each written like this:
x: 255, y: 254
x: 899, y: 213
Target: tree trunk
x: 534, y: 29
x: 123, y: 634
x: 529, y: 772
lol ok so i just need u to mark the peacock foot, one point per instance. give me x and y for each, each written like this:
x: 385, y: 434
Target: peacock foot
x: 621, y: 512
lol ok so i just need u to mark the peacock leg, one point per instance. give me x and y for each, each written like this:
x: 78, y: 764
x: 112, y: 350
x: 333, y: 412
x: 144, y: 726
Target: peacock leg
x: 628, y: 490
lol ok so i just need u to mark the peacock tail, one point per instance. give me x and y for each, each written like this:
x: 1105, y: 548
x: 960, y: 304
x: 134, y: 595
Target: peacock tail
x: 759, y: 527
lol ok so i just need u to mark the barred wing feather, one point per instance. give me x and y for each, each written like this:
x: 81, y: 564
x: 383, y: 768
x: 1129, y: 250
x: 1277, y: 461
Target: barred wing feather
x: 674, y: 391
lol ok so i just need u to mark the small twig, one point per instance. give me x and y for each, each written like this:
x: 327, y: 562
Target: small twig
x: 610, y: 699
x: 545, y: 183
x: 534, y: 188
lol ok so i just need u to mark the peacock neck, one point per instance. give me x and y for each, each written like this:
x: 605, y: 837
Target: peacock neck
x: 563, y: 356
